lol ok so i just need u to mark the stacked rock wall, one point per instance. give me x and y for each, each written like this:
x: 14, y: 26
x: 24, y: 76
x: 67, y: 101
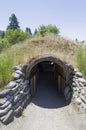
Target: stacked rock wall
x: 79, y: 90
x: 14, y: 97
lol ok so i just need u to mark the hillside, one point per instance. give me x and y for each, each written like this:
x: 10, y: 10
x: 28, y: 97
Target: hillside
x: 22, y: 52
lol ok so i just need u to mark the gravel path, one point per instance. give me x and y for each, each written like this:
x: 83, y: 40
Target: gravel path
x: 48, y: 111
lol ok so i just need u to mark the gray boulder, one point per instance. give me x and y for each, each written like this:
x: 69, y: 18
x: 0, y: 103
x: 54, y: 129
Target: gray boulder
x: 2, y: 101
x: 83, y: 98
x: 11, y: 85
x: 8, y: 117
x: 78, y: 101
x: 16, y: 75
x: 6, y: 110
x: 17, y: 68
x: 4, y: 92
x: 82, y: 80
x: 5, y: 105
x: 79, y: 74
x: 19, y: 72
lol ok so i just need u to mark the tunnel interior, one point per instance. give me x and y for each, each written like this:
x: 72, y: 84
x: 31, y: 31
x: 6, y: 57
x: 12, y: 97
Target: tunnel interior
x: 47, y: 80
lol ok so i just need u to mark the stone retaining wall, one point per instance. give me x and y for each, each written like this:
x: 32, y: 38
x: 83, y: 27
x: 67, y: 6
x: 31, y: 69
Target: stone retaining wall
x: 79, y: 90
x: 14, y: 97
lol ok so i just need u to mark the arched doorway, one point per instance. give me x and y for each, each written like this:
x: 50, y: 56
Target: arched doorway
x: 47, y: 64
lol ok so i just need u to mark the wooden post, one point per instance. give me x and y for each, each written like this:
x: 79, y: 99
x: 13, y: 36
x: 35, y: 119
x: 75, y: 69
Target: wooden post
x: 32, y: 88
x: 63, y: 85
x: 59, y: 83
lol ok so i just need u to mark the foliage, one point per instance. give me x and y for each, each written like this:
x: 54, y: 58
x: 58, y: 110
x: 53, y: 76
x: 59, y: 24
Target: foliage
x: 2, y: 34
x: 28, y: 30
x: 6, y: 64
x: 36, y: 31
x: 48, y: 29
x: 4, y: 44
x: 14, y: 24
x: 15, y: 36
x: 81, y: 58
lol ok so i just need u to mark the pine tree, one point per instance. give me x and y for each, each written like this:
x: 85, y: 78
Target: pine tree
x: 28, y: 30
x: 35, y: 32
x: 14, y: 24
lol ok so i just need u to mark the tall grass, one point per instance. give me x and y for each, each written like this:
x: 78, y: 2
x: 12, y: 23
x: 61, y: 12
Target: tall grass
x: 6, y: 64
x: 81, y: 58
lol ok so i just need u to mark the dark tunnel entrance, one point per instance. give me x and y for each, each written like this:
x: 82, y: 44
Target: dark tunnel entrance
x: 47, y: 81
x: 46, y: 94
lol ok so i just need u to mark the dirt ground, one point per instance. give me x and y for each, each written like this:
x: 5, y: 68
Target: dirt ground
x: 48, y: 111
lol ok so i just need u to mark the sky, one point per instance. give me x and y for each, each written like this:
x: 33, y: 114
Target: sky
x: 68, y: 15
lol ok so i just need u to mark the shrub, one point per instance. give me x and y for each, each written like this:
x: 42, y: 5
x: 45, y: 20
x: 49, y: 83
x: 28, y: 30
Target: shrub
x: 4, y: 44
x: 48, y: 29
x: 81, y: 59
x: 15, y: 36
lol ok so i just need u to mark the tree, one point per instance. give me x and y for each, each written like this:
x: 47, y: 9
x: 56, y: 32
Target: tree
x: 2, y: 34
x: 28, y: 30
x: 36, y: 31
x: 14, y: 24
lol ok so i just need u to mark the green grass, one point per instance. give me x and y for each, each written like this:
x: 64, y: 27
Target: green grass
x: 81, y: 58
x: 6, y: 64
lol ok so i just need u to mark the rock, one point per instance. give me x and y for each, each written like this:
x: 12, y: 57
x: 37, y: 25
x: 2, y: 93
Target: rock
x: 84, y: 88
x: 11, y: 85
x: 26, y: 82
x: 82, y: 80
x: 67, y: 89
x: 8, y: 117
x: 18, y: 97
x: 76, y: 70
x: 20, y: 80
x: 7, y: 102
x: 2, y: 101
x: 74, y: 89
x: 83, y: 98
x: 19, y: 72
x: 17, y: 68
x: 75, y: 95
x: 81, y: 84
x: 85, y: 83
x: 25, y: 101
x: 13, y: 90
x: 16, y: 105
x: 68, y: 96
x: 67, y: 93
x: 77, y: 84
x: 78, y: 74
x: 4, y: 93
x: 78, y: 101
x: 83, y: 92
x: 5, y: 105
x: 16, y: 76
x: 18, y: 111
x: 74, y: 84
x: 6, y: 110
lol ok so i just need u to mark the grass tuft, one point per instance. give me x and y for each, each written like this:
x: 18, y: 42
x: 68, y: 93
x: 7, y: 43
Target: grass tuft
x: 81, y: 58
x: 6, y: 64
